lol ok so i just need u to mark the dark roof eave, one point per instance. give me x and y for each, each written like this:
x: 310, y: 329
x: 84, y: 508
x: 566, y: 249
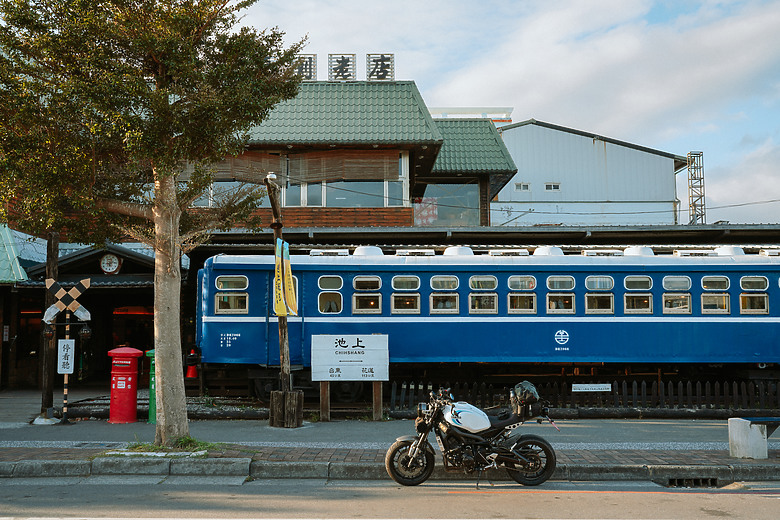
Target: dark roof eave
x: 454, y: 173
x: 331, y: 144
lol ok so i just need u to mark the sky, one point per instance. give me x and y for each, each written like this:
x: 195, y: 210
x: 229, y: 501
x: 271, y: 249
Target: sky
x: 676, y: 76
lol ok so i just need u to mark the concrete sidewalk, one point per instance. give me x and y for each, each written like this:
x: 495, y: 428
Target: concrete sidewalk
x: 670, y: 452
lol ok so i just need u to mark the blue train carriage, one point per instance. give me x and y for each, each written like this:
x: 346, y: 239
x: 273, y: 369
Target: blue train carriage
x: 610, y: 308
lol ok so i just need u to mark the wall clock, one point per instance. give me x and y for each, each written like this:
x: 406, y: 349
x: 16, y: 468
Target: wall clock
x: 110, y: 263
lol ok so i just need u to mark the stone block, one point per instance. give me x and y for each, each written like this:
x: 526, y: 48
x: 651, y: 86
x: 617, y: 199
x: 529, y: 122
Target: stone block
x: 51, y: 468
x: 130, y: 466
x: 746, y: 440
x: 261, y: 469
x: 211, y: 467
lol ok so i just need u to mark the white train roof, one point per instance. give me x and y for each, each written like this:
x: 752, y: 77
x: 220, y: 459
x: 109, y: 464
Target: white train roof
x: 544, y: 255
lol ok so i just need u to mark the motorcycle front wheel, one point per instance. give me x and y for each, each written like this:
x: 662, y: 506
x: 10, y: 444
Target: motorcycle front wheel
x: 406, y: 470
x: 541, y: 461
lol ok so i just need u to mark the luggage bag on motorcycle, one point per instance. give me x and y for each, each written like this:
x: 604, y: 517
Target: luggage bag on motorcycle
x: 522, y: 396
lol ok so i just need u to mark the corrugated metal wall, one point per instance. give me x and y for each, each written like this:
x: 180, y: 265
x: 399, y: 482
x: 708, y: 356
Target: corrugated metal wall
x: 600, y: 182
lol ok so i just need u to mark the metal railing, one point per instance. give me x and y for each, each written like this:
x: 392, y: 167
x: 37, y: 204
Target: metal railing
x: 726, y: 395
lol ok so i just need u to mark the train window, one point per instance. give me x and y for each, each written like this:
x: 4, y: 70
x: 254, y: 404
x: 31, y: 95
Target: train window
x: 599, y: 303
x: 677, y: 283
x: 330, y: 282
x: 483, y: 282
x: 522, y: 303
x: 522, y: 283
x: 715, y: 283
x: 754, y: 283
x: 406, y: 283
x: 638, y: 283
x: 232, y: 303
x: 753, y: 303
x: 444, y: 303
x: 483, y: 303
x: 560, y: 283
x: 560, y: 303
x: 677, y: 303
x: 366, y: 303
x: 232, y: 282
x: 715, y: 303
x: 367, y: 283
x: 599, y: 283
x: 330, y: 302
x: 406, y: 304
x: 638, y: 303
x: 444, y: 283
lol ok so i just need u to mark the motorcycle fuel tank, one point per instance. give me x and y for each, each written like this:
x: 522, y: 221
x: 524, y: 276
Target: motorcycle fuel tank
x: 466, y: 416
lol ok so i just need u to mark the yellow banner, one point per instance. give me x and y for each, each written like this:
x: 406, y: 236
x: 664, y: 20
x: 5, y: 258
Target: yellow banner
x: 289, y: 288
x: 279, y: 307
x: 285, y: 303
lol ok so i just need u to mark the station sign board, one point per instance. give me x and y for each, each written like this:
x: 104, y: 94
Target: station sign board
x: 350, y: 357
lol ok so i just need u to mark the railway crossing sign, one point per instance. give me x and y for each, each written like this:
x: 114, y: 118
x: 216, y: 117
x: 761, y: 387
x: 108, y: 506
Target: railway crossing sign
x: 66, y: 300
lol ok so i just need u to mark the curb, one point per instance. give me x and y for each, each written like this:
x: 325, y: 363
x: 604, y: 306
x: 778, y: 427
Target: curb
x: 101, y: 411
x: 246, y: 467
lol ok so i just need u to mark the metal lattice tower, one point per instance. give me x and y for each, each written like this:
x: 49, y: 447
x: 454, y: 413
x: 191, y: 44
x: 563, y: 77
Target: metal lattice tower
x: 696, y: 209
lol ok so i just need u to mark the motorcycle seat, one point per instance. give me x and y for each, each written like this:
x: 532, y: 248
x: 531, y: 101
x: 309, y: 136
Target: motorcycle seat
x: 497, y: 422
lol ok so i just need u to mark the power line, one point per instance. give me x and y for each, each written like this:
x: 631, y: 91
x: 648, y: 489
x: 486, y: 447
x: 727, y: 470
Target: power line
x: 526, y: 211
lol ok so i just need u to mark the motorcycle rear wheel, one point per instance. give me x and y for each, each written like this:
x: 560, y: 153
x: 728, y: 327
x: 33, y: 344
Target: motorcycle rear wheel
x: 542, y: 461
x: 405, y: 470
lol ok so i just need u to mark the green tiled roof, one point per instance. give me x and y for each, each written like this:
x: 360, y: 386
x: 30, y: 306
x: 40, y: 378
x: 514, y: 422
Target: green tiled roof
x: 349, y: 113
x: 472, y: 146
x: 10, y: 270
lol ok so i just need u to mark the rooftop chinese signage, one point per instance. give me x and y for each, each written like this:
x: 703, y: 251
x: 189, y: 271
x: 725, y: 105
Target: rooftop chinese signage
x: 343, y: 67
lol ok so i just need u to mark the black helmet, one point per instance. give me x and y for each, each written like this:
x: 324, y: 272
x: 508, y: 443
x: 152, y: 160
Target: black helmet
x: 526, y: 393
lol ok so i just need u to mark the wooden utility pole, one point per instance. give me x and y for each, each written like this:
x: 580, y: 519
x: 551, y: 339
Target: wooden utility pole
x: 286, y: 406
x: 49, y: 351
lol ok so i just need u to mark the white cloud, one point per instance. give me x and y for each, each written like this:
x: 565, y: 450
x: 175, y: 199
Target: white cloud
x: 747, y: 192
x: 602, y: 67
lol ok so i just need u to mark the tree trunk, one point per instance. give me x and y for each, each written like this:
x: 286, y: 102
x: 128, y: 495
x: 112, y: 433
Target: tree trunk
x: 49, y: 350
x: 169, y: 373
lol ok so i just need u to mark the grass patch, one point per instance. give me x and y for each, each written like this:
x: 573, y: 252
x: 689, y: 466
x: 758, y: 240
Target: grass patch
x: 181, y: 444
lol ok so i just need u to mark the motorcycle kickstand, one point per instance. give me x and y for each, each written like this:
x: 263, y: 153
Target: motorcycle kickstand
x: 482, y: 470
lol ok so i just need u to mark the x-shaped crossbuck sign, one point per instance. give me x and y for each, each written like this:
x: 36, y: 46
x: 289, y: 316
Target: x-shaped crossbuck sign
x: 66, y: 300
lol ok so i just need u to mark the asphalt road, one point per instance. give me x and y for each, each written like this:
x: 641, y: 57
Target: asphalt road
x: 220, y: 498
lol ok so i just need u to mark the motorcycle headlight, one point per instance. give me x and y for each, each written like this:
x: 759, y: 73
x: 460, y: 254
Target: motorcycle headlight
x: 422, y: 408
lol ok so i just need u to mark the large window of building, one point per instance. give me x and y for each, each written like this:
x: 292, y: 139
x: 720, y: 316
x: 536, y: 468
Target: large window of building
x: 347, y: 179
x: 448, y: 204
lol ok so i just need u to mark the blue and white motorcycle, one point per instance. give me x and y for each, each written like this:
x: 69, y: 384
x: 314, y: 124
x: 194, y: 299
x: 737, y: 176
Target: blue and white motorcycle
x: 471, y: 441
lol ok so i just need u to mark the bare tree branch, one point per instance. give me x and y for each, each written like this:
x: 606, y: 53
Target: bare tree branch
x: 131, y: 209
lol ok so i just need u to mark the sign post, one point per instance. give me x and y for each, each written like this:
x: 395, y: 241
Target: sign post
x: 66, y: 348
x: 350, y: 358
x: 286, y: 406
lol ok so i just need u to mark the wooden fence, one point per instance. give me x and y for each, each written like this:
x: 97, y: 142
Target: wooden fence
x: 636, y: 394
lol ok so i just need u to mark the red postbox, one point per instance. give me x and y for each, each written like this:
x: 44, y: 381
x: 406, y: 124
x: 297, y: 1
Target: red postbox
x: 124, y: 385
